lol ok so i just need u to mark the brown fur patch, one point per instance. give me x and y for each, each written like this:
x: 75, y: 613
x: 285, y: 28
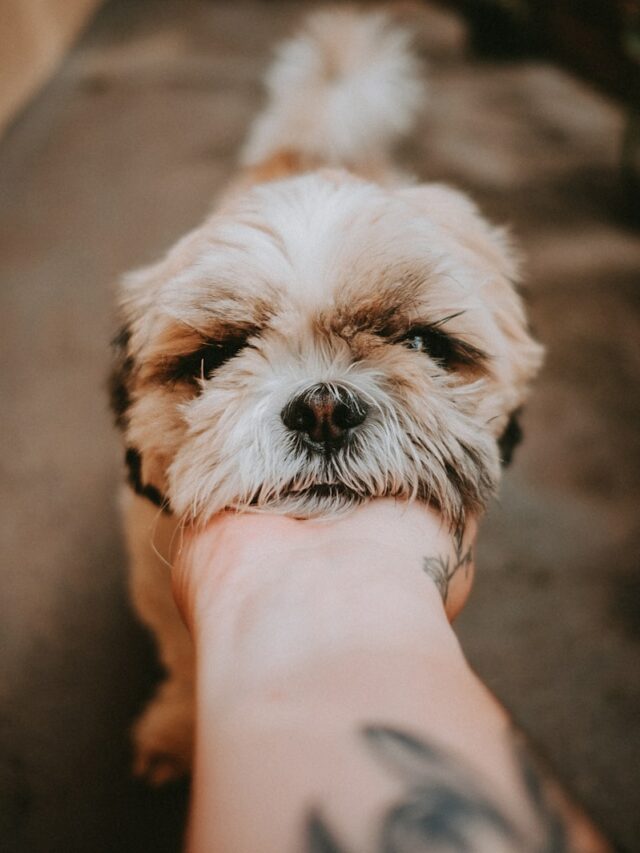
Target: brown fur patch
x: 390, y: 313
x: 383, y: 307
x: 177, y: 352
x: 175, y: 342
x: 282, y: 164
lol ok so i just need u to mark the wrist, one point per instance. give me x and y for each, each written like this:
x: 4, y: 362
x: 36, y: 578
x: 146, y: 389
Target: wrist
x: 281, y: 622
x: 409, y: 534
x: 267, y: 598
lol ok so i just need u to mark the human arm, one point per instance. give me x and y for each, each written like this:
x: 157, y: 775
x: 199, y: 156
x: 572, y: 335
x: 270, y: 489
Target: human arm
x: 336, y: 711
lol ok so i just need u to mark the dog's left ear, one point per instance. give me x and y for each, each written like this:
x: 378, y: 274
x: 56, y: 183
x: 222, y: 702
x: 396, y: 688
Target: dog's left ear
x: 489, y: 253
x: 510, y: 438
x: 460, y: 217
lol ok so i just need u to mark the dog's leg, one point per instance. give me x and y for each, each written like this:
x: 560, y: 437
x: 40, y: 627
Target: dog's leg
x: 163, y: 734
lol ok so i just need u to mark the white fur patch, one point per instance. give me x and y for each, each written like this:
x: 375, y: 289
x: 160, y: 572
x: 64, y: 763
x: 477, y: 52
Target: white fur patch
x: 342, y: 91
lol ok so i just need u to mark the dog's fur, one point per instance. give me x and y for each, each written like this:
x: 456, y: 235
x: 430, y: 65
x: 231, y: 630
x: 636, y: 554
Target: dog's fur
x: 320, y: 265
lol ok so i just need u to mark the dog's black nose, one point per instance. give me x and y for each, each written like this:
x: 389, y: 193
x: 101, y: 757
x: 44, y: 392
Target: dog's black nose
x: 324, y: 414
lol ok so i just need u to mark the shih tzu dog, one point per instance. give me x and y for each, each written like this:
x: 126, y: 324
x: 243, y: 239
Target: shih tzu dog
x: 332, y: 333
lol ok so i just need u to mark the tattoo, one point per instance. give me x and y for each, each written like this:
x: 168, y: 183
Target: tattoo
x: 319, y: 839
x: 547, y: 815
x: 441, y: 569
x: 445, y: 808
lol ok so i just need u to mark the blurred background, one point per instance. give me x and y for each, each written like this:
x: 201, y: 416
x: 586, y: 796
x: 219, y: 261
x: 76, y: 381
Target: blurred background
x: 120, y: 122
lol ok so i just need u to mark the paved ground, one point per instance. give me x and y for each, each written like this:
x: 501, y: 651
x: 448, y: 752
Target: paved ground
x: 120, y: 155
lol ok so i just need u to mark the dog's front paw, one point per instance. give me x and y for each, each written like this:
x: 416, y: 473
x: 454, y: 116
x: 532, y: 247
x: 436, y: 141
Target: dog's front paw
x: 163, y: 736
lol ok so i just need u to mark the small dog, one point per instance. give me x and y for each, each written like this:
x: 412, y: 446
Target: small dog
x: 332, y: 333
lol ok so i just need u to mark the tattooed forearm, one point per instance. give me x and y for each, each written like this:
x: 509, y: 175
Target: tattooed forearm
x: 445, y: 807
x: 442, y: 568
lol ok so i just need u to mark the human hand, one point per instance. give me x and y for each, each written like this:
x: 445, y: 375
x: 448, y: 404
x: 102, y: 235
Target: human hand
x: 401, y: 537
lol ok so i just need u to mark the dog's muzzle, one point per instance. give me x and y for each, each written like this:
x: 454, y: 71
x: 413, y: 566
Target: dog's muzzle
x: 324, y: 416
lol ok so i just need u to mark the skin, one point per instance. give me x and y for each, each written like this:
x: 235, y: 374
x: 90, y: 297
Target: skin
x: 334, y: 704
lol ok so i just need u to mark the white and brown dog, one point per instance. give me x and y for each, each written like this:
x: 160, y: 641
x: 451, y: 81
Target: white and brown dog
x: 332, y: 333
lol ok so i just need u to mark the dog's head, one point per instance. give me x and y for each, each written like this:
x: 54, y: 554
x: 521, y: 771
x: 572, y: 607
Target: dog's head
x: 322, y: 341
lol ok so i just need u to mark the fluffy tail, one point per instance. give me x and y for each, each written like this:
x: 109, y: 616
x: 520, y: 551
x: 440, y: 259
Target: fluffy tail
x: 341, y: 92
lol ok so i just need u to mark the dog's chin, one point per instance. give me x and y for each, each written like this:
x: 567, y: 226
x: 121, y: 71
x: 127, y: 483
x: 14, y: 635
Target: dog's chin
x: 325, y: 497
x: 330, y: 500
x: 322, y: 501
x: 319, y: 501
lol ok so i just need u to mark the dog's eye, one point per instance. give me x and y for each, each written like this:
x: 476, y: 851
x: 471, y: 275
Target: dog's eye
x: 436, y: 344
x: 207, y: 358
x: 215, y: 353
x: 447, y: 351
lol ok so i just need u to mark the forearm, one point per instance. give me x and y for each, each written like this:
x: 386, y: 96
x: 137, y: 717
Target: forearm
x: 312, y: 751
x: 287, y: 699
x: 334, y: 701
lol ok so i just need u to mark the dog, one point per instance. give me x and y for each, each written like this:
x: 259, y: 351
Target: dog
x: 334, y: 332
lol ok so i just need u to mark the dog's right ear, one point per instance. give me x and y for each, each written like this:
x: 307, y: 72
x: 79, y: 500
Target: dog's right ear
x: 487, y: 249
x: 137, y: 297
x: 137, y: 292
x: 460, y: 217
x: 120, y: 377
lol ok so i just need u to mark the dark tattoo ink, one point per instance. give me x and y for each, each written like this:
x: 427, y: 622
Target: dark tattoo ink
x: 442, y: 569
x: 442, y: 809
x: 547, y: 815
x: 319, y: 838
x: 445, y: 807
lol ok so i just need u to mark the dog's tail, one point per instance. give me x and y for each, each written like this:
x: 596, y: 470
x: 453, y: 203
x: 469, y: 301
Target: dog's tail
x: 340, y: 93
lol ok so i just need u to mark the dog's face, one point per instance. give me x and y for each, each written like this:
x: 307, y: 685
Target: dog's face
x: 323, y: 341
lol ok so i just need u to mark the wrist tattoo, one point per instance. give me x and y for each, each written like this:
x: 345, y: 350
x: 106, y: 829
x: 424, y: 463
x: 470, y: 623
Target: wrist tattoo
x: 442, y: 568
x: 445, y: 807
